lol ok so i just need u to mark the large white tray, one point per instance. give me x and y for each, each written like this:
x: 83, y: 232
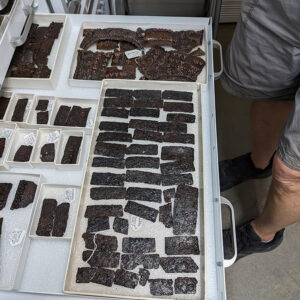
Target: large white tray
x: 55, y: 59
x: 148, y: 228
x: 131, y: 24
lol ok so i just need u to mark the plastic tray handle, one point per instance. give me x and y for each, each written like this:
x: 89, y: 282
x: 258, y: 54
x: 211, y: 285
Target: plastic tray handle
x: 229, y: 262
x: 217, y: 45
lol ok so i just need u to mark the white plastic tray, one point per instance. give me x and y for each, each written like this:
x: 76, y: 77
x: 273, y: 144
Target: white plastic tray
x: 7, y: 131
x: 41, y: 140
x: 19, y: 139
x: 55, y: 59
x: 132, y: 25
x: 32, y: 118
x: 57, y: 192
x: 13, y: 256
x: 12, y: 105
x: 147, y: 228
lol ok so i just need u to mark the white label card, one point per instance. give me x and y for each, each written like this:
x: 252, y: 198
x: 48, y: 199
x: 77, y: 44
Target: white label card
x: 70, y: 195
x: 6, y: 133
x: 136, y: 223
x: 133, y: 53
x: 29, y: 139
x: 16, y: 237
x: 28, y: 105
x: 53, y: 137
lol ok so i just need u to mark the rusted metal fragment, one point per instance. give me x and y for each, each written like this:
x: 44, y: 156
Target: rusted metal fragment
x: 185, y: 210
x: 106, y: 162
x: 176, y: 179
x: 118, y: 102
x: 101, y: 259
x: 179, y: 107
x: 103, y: 243
x: 61, y: 219
x: 147, y: 136
x: 126, y: 278
x: 184, y: 118
x: 105, y: 193
x: 94, y: 211
x: 115, y: 112
x: 143, y: 177
x: 182, y: 245
x: 172, y: 127
x: 113, y: 126
x: 142, y: 211
x: 143, y: 124
x: 110, y: 150
x: 179, y: 138
x: 185, y: 285
x: 177, y: 153
x: 142, y: 162
x: 138, y: 245
x: 144, y: 276
x: 177, y: 167
x: 177, y: 95
x: 144, y: 112
x: 114, y: 137
x: 178, y: 264
x: 165, y: 215
x: 143, y: 194
x: 161, y: 287
x: 24, y: 195
x: 169, y: 194
x: 131, y: 261
x: 142, y: 149
x: 97, y: 224
x: 121, y: 225
x: 46, y: 220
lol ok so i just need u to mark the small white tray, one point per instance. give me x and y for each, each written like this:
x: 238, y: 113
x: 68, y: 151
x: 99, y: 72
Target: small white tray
x: 7, y: 131
x: 131, y: 25
x: 57, y: 192
x: 41, y: 140
x: 6, y: 95
x: 13, y: 258
x: 32, y: 118
x: 84, y: 103
x: 61, y: 149
x: 55, y: 59
x: 19, y: 140
x: 12, y: 105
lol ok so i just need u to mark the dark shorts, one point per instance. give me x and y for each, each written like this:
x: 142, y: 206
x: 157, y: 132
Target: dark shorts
x: 263, y: 63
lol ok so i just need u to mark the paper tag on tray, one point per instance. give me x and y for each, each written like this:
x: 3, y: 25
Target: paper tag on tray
x: 90, y: 123
x: 133, y: 53
x: 28, y: 105
x: 16, y: 237
x: 29, y: 139
x: 53, y: 137
x: 6, y: 133
x: 136, y: 223
x: 70, y: 195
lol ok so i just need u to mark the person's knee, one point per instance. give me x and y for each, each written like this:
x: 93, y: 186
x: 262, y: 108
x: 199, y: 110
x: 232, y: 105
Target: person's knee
x: 285, y: 176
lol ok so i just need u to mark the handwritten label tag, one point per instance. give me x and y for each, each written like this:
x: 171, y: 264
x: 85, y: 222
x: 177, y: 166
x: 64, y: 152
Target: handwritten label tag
x: 70, y: 195
x: 90, y: 123
x: 53, y: 137
x: 29, y: 139
x: 133, y: 53
x: 136, y: 223
x: 6, y: 133
x: 16, y: 237
x: 28, y: 105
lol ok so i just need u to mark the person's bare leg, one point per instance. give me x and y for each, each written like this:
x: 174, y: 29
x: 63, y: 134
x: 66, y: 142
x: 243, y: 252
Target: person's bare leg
x: 282, y: 207
x: 267, y: 121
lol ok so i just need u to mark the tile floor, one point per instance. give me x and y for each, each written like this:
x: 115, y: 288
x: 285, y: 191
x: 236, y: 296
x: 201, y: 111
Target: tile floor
x: 274, y: 275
